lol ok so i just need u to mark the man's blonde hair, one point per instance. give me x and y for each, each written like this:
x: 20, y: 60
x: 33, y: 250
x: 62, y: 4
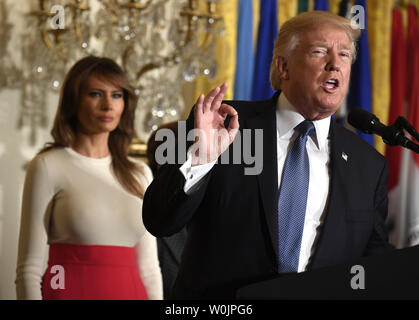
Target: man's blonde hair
x: 290, y: 32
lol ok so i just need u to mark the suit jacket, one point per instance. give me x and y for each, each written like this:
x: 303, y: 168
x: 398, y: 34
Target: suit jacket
x: 169, y: 252
x: 232, y: 218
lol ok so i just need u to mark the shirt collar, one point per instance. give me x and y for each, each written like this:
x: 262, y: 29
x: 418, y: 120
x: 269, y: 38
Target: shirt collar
x: 288, y: 118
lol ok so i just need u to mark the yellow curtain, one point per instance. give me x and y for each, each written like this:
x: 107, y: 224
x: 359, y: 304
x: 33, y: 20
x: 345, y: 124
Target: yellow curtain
x: 286, y: 10
x: 379, y: 32
x: 225, y: 52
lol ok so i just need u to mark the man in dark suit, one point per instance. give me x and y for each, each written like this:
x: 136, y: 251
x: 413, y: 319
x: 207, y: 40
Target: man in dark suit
x: 320, y: 198
x: 169, y: 248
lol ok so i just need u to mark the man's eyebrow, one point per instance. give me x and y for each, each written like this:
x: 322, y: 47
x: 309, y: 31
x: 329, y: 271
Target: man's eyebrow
x: 319, y: 44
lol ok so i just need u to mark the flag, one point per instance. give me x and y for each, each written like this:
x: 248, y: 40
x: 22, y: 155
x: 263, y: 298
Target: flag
x: 267, y: 32
x: 360, y: 84
x: 410, y: 162
x: 343, y: 8
x: 286, y: 10
x: 380, y: 16
x: 397, y: 97
x: 397, y: 101
x: 411, y: 47
x: 334, y: 6
x: 245, y: 52
x: 404, y: 205
x: 341, y: 114
x: 303, y: 6
x: 322, y: 5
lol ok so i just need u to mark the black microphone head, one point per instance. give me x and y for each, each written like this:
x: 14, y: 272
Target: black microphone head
x: 362, y: 120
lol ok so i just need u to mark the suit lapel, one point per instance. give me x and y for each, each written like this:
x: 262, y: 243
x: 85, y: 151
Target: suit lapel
x: 268, y: 178
x: 331, y: 239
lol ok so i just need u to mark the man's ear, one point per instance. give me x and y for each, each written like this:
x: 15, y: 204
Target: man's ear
x: 282, y: 68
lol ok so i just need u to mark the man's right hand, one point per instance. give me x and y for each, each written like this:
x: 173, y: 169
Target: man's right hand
x: 213, y: 137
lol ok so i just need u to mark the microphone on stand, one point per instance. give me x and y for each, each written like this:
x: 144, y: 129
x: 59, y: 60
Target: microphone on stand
x: 392, y: 135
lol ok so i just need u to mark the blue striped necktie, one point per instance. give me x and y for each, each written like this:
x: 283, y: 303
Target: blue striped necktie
x: 292, y: 201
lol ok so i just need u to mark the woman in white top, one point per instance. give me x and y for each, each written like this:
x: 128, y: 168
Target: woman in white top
x: 82, y: 198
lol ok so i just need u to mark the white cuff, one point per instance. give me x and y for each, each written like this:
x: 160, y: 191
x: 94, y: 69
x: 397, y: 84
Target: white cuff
x: 194, y: 175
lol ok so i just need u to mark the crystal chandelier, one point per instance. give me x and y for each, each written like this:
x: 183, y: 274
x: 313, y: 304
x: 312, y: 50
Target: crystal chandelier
x: 8, y: 70
x: 159, y: 43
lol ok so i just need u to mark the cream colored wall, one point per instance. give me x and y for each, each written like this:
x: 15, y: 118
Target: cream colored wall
x: 15, y: 151
x: 11, y: 173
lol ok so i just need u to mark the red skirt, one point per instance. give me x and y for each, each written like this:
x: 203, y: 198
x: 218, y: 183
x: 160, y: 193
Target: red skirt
x: 92, y: 272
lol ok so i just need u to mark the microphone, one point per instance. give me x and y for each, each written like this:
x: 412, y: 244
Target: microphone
x: 369, y: 123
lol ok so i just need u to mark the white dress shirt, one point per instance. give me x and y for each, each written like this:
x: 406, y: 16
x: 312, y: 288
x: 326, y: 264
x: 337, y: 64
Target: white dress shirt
x: 287, y: 118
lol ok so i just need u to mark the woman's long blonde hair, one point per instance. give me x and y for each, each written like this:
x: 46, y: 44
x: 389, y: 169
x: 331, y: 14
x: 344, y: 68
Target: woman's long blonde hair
x: 66, y: 122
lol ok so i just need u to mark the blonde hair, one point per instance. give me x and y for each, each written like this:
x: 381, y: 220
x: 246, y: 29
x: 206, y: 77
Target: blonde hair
x: 290, y: 32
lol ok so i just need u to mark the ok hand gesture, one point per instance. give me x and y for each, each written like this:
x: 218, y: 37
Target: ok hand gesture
x: 213, y: 137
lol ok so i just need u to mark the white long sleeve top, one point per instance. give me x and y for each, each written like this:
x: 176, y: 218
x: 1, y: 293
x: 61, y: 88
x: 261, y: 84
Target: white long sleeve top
x: 74, y: 199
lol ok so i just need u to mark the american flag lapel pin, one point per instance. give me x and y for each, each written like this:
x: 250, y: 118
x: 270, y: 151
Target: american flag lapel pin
x: 344, y: 156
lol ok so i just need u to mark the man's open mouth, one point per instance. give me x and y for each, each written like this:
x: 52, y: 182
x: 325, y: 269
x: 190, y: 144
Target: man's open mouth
x: 331, y: 85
